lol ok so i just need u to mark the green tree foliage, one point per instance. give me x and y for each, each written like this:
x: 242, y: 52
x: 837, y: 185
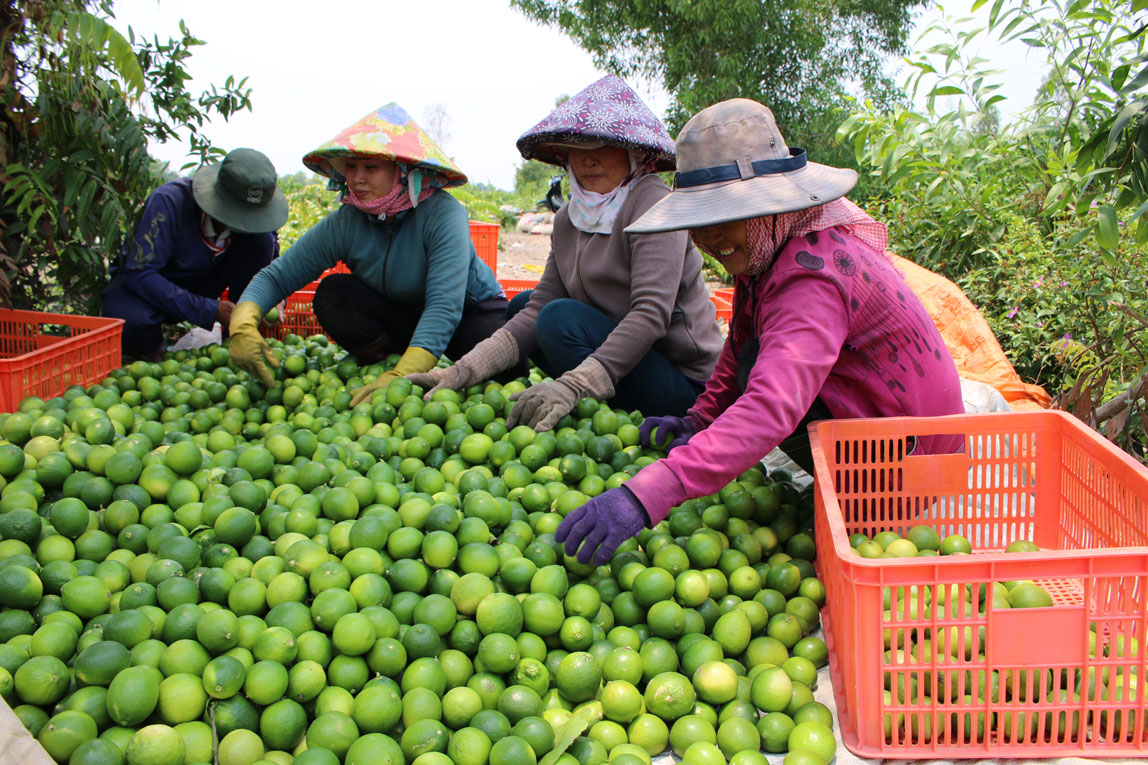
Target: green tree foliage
x: 80, y: 102
x: 308, y: 202
x: 1041, y: 221
x: 532, y: 181
x: 799, y: 57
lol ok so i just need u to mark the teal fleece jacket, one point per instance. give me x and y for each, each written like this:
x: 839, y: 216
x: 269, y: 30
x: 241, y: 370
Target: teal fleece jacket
x: 423, y: 258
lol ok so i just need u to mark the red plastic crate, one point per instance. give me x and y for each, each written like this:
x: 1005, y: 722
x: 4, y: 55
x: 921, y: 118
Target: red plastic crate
x: 1041, y: 476
x: 485, y: 238
x: 33, y: 363
x: 339, y: 268
x: 297, y: 316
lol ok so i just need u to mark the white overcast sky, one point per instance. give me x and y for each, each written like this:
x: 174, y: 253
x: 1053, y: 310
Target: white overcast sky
x: 315, y: 67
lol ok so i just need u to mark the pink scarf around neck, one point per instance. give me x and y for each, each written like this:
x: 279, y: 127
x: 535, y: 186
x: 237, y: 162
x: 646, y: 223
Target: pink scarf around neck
x: 392, y: 203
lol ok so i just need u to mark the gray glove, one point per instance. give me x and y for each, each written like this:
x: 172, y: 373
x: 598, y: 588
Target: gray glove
x: 488, y: 358
x: 541, y: 406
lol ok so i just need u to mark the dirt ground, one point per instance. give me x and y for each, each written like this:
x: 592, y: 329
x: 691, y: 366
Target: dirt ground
x: 523, y: 256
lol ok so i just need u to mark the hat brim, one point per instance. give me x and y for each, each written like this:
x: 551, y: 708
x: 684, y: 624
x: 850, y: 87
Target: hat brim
x: 244, y: 219
x: 548, y: 148
x: 331, y: 164
x: 717, y: 203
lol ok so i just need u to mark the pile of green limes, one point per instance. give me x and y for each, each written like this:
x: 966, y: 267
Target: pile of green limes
x: 197, y: 568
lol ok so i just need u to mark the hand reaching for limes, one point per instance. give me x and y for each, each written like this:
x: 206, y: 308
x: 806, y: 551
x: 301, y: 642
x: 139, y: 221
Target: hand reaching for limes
x: 455, y: 377
x: 602, y: 524
x: 491, y: 356
x: 676, y: 430
x: 248, y: 349
x: 414, y: 361
x: 542, y: 405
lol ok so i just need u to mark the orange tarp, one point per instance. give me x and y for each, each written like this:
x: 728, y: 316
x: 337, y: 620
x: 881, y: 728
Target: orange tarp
x: 974, y: 347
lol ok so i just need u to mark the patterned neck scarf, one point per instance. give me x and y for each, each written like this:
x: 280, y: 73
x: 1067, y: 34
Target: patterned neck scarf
x: 216, y: 241
x: 766, y: 236
x: 595, y: 213
x: 407, y: 192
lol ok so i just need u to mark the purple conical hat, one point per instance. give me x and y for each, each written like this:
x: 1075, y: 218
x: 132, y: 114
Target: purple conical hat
x: 608, y: 112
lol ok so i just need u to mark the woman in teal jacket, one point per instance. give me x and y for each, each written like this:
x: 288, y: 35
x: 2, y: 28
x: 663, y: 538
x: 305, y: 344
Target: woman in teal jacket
x: 416, y: 284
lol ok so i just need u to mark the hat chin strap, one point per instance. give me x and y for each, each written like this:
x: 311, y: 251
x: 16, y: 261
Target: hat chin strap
x: 736, y: 170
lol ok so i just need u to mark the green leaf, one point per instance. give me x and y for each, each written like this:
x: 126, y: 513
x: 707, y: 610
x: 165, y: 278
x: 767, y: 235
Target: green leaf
x: 1055, y: 199
x: 859, y: 142
x: 1107, y: 229
x: 1139, y: 212
x: 1121, y: 121
x: 1138, y: 82
x: 946, y: 90
x: 84, y: 201
x: 97, y: 34
x: 573, y: 728
x: 1078, y: 237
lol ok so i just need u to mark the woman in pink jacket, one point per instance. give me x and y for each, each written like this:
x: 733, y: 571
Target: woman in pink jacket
x: 824, y: 325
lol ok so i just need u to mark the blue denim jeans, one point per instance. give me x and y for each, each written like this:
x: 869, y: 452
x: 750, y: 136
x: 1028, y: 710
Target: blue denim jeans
x: 568, y: 331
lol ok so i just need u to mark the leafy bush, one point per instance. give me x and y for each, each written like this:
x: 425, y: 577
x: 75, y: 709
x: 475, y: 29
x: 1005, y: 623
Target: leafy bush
x: 80, y: 102
x: 308, y: 202
x: 482, y: 202
x: 1042, y: 222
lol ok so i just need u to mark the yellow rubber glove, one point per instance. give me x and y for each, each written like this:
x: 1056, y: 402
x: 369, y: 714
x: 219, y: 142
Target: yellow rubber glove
x: 248, y: 349
x: 414, y: 361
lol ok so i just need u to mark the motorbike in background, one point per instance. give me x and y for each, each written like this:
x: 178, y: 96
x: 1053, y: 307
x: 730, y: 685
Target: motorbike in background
x: 553, y: 199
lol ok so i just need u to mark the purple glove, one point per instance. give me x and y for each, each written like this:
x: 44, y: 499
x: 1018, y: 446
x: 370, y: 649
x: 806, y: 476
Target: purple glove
x: 681, y: 429
x: 602, y: 524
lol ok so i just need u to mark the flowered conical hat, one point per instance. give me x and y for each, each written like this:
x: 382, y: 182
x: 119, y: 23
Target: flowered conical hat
x: 390, y: 133
x: 608, y: 112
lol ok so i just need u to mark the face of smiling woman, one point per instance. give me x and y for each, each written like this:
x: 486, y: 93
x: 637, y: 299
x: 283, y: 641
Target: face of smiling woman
x: 727, y: 243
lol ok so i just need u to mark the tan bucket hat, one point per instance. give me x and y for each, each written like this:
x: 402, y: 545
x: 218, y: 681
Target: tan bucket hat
x: 734, y: 164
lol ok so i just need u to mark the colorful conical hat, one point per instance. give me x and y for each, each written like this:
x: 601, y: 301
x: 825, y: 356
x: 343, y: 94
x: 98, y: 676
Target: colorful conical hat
x: 608, y: 112
x: 390, y: 133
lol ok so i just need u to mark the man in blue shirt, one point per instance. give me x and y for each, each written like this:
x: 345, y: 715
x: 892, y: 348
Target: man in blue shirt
x: 196, y: 237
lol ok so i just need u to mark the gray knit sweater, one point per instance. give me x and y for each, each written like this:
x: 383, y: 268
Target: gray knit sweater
x: 651, y: 284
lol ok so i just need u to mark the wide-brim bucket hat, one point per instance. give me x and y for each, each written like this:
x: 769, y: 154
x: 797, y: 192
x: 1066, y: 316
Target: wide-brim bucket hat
x: 241, y: 192
x: 734, y: 164
x: 607, y: 113
x: 388, y: 133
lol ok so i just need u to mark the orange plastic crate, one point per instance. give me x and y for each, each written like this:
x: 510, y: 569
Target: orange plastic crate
x: 34, y: 363
x: 514, y: 286
x: 485, y: 238
x: 1041, y: 476
x: 723, y: 299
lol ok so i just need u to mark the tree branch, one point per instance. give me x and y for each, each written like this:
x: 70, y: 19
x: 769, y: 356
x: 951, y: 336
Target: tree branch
x: 1114, y: 406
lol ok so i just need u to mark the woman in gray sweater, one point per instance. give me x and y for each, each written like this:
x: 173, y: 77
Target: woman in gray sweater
x: 616, y: 316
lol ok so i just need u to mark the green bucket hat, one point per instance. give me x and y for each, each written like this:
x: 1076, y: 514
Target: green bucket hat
x: 242, y: 193
x: 389, y: 133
